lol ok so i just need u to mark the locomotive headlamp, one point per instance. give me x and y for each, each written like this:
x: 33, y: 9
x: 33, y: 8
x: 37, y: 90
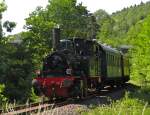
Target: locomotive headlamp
x: 68, y: 71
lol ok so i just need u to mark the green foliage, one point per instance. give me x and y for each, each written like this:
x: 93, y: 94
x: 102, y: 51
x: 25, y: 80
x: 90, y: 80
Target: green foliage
x: 38, y: 39
x: 33, y: 96
x: 105, y: 22
x: 9, y: 25
x: 117, y: 25
x: 2, y: 9
x: 3, y: 99
x: 37, y: 46
x: 128, y: 17
x: 16, y: 72
x: 125, y: 106
x: 139, y: 37
x: 73, y: 19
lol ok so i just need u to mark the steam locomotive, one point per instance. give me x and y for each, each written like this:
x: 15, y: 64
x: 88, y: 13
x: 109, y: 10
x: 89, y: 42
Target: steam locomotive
x: 78, y: 65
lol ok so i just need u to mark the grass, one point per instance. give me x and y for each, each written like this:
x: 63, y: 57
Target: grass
x: 119, y: 110
x: 133, y: 103
x: 126, y: 106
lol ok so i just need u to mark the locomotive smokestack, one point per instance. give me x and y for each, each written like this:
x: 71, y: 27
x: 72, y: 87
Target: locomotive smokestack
x: 56, y: 38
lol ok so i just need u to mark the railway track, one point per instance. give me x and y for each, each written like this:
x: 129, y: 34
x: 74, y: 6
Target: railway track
x: 33, y: 107
x: 46, y: 105
x: 36, y: 107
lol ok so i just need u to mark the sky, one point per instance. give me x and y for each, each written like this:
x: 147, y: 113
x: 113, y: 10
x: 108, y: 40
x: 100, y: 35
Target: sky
x: 18, y: 10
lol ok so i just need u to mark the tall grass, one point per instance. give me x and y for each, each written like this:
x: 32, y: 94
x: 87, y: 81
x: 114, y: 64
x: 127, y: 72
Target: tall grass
x: 129, y: 105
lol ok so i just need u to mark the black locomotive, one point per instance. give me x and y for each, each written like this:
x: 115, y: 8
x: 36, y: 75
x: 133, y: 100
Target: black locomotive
x: 78, y: 65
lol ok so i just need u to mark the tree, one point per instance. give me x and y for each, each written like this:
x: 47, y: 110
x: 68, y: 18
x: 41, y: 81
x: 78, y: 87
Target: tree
x: 38, y: 38
x: 139, y: 37
x: 9, y: 25
x: 15, y: 66
x: 105, y: 22
x: 16, y: 72
x: 2, y: 9
x: 73, y: 19
x: 101, y: 15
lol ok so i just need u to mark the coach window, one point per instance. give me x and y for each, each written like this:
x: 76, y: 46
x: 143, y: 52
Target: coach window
x: 112, y: 65
x: 125, y: 67
x: 117, y: 65
x: 120, y: 65
x: 99, y: 66
x: 113, y: 60
x: 107, y: 64
x: 107, y: 59
x: 116, y: 59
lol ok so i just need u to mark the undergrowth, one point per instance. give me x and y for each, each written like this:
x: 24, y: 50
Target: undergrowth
x: 133, y: 103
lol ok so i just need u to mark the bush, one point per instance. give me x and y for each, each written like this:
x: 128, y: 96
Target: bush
x: 16, y: 72
x: 3, y: 99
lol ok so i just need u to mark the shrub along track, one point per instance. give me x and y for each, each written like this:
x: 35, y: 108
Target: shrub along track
x: 46, y: 105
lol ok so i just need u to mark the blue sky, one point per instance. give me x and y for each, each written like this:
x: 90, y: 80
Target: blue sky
x: 18, y: 10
